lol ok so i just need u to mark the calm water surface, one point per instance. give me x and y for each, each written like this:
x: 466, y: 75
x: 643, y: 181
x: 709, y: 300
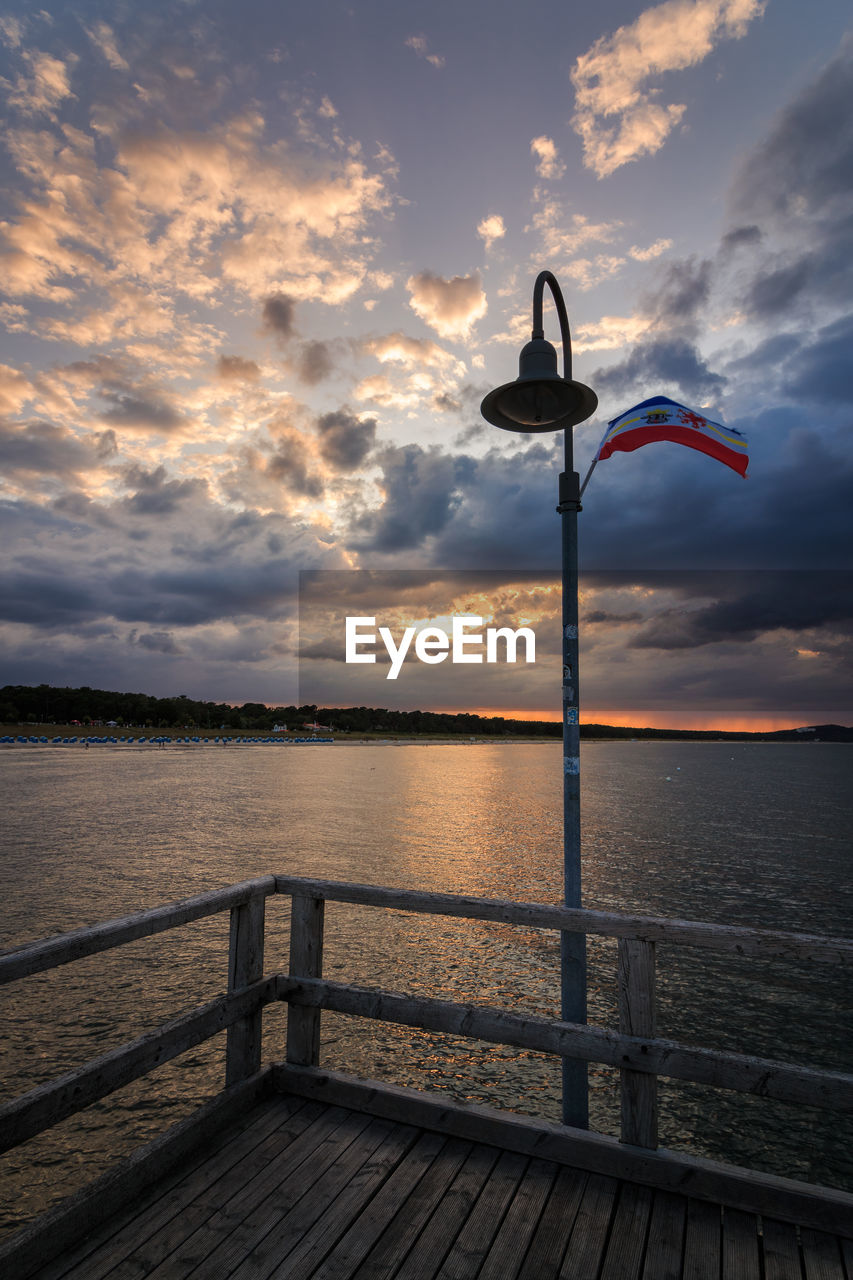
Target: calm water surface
x: 757, y: 834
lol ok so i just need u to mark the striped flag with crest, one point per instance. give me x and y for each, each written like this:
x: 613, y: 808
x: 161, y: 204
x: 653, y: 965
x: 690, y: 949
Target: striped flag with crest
x: 663, y: 419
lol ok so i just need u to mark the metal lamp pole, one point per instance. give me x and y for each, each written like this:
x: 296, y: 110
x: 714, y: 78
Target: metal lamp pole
x: 540, y: 400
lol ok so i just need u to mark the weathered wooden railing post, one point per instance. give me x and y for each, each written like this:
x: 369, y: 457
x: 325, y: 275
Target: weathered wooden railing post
x: 245, y: 965
x: 638, y: 1017
x: 306, y: 961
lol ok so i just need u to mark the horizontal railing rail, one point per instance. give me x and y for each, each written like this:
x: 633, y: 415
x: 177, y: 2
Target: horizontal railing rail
x: 36, y: 957
x: 718, y: 1067
x: 768, y: 944
x: 635, y: 1048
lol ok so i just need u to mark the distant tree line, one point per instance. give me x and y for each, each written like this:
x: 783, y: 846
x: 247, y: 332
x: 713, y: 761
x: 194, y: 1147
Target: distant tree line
x: 46, y: 704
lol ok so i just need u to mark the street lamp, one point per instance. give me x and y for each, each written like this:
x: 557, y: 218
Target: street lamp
x: 540, y: 400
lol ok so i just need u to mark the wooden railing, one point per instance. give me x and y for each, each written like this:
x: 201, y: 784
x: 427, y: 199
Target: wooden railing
x: 634, y: 1048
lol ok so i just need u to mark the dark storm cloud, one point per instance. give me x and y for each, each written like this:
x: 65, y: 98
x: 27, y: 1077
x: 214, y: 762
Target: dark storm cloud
x: 751, y: 605
x: 807, y: 160
x: 292, y: 465
x: 680, y: 295
x: 673, y: 508
x: 612, y: 619
x: 740, y: 238
x: 800, y: 180
x: 345, y: 441
x: 42, y: 447
x: 314, y: 362
x: 187, y: 596
x: 79, y: 593
x: 155, y: 494
x: 236, y: 369
x: 822, y: 373
x: 500, y: 510
x: 663, y: 506
x: 47, y: 597
x: 422, y: 491
x: 768, y: 354
x: 277, y: 314
x: 158, y: 642
x: 673, y: 360
x: 140, y: 412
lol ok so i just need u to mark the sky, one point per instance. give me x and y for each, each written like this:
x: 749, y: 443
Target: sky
x: 260, y: 263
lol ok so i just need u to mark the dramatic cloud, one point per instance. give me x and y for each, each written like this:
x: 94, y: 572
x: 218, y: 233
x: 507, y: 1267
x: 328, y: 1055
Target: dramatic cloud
x: 345, y: 441
x: 158, y: 642
x: 237, y: 369
x: 293, y: 465
x: 421, y: 494
x: 42, y: 448
x: 679, y: 296
x: 224, y: 363
x: 805, y: 165
x: 821, y: 373
x: 450, y: 307
x: 278, y: 314
x: 793, y: 198
x: 140, y: 413
x: 155, y: 494
x: 193, y: 215
x: 418, y: 371
x: 314, y: 362
x: 749, y: 606
x: 673, y: 362
x: 617, y: 115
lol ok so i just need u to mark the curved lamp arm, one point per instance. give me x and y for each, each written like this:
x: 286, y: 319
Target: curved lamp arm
x: 547, y: 277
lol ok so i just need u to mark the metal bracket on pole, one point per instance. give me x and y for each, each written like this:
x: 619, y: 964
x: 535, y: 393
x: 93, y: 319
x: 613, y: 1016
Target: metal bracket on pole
x: 568, y: 492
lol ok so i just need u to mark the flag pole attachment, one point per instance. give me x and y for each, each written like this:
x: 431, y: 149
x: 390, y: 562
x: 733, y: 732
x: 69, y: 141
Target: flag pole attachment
x: 592, y: 464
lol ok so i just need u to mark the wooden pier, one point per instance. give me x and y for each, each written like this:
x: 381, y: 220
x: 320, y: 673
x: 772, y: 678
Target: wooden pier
x: 293, y: 1171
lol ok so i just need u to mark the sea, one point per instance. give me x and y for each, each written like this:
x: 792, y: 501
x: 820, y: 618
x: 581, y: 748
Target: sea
x: 757, y: 834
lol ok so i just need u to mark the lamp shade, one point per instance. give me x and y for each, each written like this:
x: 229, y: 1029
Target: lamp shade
x: 539, y: 399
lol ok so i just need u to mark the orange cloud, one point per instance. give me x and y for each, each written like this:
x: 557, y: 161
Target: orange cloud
x: 450, y: 307
x: 617, y: 116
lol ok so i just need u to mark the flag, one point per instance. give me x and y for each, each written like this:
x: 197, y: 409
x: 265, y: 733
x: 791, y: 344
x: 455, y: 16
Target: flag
x: 662, y: 419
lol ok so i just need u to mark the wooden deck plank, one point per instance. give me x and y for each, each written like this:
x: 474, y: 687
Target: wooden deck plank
x: 665, y: 1247
x: 781, y: 1251
x: 627, y: 1244
x: 435, y: 1241
x: 176, y: 1250
x: 740, y: 1246
x: 592, y: 1225
x: 847, y: 1254
x: 354, y: 1247
x: 702, y: 1241
x: 359, y: 1189
x: 295, y: 1190
x: 510, y: 1245
x: 821, y: 1256
x: 412, y: 1216
x: 476, y: 1237
x: 555, y: 1226
x: 291, y: 1200
x: 234, y: 1153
